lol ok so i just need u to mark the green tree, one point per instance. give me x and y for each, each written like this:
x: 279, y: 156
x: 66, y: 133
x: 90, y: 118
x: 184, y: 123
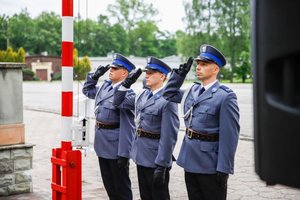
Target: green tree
x: 110, y: 38
x: 129, y: 12
x: 145, y: 42
x: 133, y: 16
x: 243, y: 69
x: 201, y: 26
x: 166, y: 44
x: 47, y: 36
x: 4, y: 40
x: 20, y: 31
x: 234, y: 28
x: 200, y: 17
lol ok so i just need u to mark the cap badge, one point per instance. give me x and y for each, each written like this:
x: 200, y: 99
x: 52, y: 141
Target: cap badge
x: 203, y: 49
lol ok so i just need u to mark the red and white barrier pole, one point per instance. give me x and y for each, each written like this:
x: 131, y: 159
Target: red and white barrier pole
x: 67, y: 70
x: 66, y: 163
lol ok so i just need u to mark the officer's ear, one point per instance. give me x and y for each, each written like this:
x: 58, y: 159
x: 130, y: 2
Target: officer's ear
x: 125, y: 73
x: 163, y: 77
x: 216, y: 68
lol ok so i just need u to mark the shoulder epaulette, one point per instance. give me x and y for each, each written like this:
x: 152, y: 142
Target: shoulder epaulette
x: 225, y: 88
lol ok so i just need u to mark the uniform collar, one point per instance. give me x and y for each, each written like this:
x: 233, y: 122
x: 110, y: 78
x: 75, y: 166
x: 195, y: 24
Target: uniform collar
x: 209, y: 85
x: 116, y: 84
x: 157, y: 90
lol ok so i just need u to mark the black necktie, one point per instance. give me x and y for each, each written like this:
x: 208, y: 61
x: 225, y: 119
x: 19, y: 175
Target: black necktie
x: 150, y: 95
x: 201, y: 91
x: 110, y: 88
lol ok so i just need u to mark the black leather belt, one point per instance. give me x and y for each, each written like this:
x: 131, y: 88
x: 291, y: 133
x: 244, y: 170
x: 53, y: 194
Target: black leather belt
x: 142, y: 133
x: 212, y: 137
x: 106, y: 126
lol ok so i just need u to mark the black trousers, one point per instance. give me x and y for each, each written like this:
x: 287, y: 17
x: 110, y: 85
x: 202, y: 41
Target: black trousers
x: 116, y: 180
x: 148, y: 191
x: 205, y: 186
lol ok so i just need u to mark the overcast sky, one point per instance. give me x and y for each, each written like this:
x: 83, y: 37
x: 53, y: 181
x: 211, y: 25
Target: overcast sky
x: 171, y: 12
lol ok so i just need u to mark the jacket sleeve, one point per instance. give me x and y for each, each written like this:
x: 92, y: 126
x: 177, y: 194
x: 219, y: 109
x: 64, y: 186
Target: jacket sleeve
x: 89, y: 88
x: 168, y: 135
x: 127, y: 131
x: 172, y: 90
x: 228, y: 133
x: 124, y: 99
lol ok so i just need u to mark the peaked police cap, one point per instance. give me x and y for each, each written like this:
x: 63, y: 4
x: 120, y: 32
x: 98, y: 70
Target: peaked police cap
x: 121, y: 61
x: 158, y: 65
x: 209, y: 53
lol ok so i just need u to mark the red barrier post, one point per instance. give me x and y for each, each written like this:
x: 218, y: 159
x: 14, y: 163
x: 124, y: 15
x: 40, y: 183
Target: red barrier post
x: 66, y: 173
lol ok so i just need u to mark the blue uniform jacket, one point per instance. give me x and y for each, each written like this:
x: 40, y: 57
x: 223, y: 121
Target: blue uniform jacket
x: 215, y: 111
x: 110, y: 143
x: 155, y: 115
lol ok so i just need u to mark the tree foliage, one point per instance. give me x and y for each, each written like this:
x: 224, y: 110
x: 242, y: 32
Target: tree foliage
x: 81, y: 66
x: 224, y: 24
x: 130, y: 29
x: 130, y: 12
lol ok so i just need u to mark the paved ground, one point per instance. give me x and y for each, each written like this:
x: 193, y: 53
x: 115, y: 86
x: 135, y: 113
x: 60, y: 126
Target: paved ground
x: 43, y: 130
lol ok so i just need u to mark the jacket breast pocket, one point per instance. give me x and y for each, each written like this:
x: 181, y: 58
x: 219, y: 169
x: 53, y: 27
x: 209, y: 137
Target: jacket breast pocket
x: 153, y: 114
x: 205, y: 113
x: 108, y: 113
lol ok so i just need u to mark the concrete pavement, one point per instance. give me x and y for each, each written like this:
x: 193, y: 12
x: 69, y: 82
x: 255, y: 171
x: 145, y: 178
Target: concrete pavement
x: 43, y: 129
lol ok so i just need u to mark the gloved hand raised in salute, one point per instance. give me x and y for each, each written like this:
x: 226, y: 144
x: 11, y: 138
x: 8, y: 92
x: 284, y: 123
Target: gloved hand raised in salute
x: 131, y: 78
x: 185, y: 68
x: 100, y: 71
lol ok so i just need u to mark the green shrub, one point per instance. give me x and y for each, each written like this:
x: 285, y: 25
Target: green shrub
x: 28, y: 74
x: 57, y: 76
x: 11, y: 56
x: 81, y: 67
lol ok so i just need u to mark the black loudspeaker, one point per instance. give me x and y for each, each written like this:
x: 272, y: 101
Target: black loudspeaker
x: 276, y: 63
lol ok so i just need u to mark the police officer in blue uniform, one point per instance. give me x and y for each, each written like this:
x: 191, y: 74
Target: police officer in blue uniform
x: 157, y: 127
x: 211, y: 117
x: 115, y: 128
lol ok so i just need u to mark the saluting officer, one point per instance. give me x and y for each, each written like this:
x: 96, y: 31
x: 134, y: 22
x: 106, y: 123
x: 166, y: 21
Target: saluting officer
x: 211, y: 117
x: 157, y: 127
x: 115, y: 128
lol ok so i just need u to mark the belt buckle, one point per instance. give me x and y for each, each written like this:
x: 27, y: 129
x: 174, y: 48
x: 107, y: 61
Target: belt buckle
x: 190, y: 134
x: 139, y: 132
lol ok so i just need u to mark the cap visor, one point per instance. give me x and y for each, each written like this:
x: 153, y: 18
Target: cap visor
x: 150, y: 69
x: 203, y: 59
x: 115, y: 66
